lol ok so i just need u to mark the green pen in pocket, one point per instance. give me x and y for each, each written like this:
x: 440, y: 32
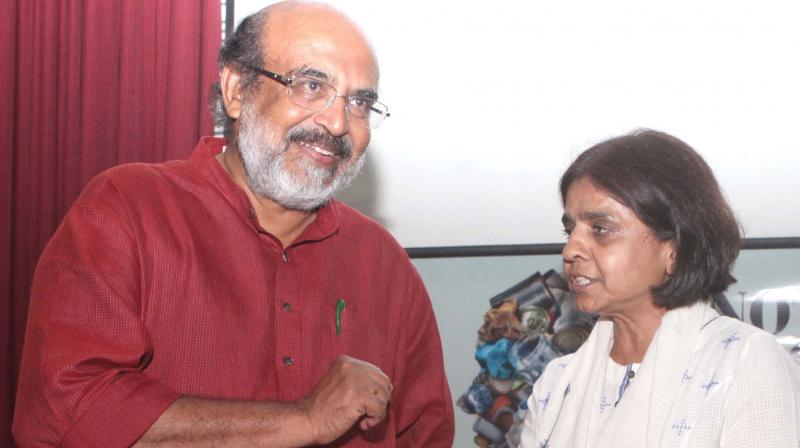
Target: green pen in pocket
x: 340, y: 305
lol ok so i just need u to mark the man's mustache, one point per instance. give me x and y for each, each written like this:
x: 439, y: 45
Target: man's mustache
x: 341, y: 146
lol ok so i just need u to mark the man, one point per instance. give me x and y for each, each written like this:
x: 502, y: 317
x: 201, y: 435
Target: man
x: 228, y: 300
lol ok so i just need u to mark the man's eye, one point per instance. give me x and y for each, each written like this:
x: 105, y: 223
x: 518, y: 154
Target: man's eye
x: 597, y: 228
x: 566, y: 231
x: 310, y: 88
x: 361, y: 103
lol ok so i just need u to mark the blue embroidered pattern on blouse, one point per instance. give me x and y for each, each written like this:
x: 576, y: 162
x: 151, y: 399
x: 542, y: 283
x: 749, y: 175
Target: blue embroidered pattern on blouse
x: 545, y: 401
x: 709, y: 385
x: 730, y: 340
x: 604, y: 404
x: 681, y: 427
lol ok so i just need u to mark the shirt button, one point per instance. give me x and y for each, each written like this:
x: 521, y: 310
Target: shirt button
x: 285, y: 256
x: 287, y: 360
x: 287, y: 306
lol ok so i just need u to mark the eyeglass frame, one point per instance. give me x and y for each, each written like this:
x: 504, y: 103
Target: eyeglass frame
x: 287, y: 82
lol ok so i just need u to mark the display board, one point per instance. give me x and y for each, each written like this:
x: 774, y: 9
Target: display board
x: 490, y: 101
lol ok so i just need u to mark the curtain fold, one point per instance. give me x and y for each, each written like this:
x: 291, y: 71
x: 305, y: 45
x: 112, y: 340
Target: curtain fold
x: 8, y: 54
x: 87, y: 84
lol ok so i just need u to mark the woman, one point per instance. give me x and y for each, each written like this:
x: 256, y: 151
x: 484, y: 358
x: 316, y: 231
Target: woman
x: 650, y: 239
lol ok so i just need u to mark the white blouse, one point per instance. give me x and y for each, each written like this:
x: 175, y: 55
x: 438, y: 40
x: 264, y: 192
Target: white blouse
x: 705, y: 381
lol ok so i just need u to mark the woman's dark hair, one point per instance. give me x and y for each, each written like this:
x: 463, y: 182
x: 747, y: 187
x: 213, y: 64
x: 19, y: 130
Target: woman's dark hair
x: 243, y: 49
x: 673, y: 191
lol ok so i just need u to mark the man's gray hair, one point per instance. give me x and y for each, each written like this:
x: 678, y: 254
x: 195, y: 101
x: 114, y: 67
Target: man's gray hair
x: 244, y: 48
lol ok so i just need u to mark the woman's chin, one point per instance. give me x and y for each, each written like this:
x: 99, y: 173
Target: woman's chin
x: 585, y: 304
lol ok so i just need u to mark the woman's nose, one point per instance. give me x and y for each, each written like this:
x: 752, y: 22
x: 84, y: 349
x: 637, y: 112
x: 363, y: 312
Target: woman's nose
x: 575, y: 249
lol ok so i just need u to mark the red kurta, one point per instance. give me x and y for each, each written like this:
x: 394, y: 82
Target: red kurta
x: 160, y: 283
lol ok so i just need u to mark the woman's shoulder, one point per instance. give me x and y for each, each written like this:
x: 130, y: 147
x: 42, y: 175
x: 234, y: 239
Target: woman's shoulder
x: 555, y: 368
x: 742, y: 344
x: 728, y: 332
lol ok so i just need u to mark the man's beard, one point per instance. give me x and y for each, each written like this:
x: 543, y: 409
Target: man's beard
x: 263, y: 152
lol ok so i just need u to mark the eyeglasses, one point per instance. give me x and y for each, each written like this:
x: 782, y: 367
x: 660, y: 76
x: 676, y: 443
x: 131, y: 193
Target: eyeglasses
x: 313, y: 94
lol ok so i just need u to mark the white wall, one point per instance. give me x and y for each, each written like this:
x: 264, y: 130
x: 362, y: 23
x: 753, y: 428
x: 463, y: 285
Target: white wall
x: 490, y: 104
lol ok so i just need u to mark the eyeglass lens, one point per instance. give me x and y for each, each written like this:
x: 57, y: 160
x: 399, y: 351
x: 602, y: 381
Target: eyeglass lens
x: 314, y: 94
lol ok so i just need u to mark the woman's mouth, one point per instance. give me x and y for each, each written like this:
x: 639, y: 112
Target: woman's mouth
x: 579, y: 282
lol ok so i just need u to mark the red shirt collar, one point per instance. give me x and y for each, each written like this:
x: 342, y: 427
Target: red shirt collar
x: 324, y: 225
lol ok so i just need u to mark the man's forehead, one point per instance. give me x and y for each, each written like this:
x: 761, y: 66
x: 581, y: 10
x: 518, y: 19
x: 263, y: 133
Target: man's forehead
x: 313, y: 34
x: 314, y: 22
x: 325, y: 63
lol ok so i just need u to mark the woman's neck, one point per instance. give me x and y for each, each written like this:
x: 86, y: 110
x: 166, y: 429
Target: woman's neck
x: 632, y: 335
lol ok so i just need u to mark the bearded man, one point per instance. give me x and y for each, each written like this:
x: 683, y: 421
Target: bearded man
x: 228, y: 299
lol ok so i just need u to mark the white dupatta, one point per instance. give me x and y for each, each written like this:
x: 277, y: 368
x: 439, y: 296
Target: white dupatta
x: 675, y: 399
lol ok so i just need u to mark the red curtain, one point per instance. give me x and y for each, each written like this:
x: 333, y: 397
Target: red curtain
x: 86, y: 85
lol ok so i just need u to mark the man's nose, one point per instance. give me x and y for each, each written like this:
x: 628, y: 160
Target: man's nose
x: 334, y: 117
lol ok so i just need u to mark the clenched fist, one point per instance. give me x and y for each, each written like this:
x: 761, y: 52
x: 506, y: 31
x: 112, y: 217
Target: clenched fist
x: 352, y: 391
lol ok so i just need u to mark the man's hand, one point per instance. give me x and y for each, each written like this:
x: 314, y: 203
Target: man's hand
x: 352, y: 391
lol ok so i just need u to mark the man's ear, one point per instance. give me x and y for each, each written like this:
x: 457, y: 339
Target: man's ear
x: 231, y: 85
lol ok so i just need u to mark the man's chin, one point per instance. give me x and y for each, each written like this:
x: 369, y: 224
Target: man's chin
x: 303, y: 204
x: 310, y: 171
x: 296, y: 194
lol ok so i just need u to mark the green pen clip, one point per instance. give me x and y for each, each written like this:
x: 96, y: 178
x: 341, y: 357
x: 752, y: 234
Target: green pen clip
x: 340, y: 305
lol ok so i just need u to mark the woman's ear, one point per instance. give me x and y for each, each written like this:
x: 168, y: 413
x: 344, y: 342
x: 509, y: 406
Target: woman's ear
x: 670, y: 253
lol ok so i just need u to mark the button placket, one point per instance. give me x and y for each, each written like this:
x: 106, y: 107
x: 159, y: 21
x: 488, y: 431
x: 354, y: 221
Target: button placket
x: 288, y: 334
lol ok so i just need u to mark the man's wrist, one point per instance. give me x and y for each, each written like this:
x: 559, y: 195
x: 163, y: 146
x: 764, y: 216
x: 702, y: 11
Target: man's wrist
x: 297, y: 423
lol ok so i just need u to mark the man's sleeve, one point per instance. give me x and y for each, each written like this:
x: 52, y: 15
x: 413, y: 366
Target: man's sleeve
x: 423, y: 403
x: 81, y: 382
